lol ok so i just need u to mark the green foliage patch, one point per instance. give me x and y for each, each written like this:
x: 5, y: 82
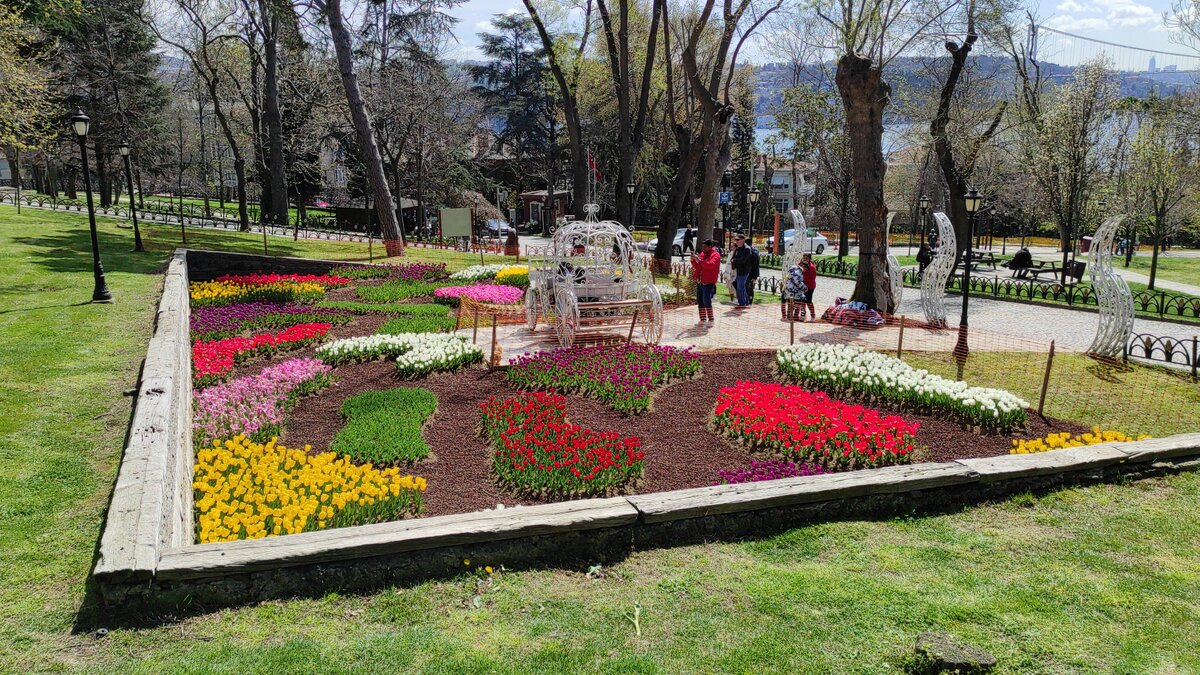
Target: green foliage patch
x: 385, y: 426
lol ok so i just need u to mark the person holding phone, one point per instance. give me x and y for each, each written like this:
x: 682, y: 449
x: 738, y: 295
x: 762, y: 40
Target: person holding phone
x: 706, y: 268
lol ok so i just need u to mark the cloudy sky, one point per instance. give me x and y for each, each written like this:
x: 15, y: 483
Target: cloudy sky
x: 1128, y: 22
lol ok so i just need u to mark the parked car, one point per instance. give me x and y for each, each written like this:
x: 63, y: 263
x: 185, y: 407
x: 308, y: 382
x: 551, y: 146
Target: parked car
x: 676, y: 243
x: 815, y: 242
x: 496, y: 228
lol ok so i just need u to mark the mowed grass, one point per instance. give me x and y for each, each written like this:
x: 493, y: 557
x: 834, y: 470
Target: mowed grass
x: 1097, y: 579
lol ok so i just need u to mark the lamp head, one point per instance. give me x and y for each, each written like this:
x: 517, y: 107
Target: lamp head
x: 924, y: 202
x: 973, y: 200
x: 123, y: 148
x: 630, y: 187
x: 753, y: 194
x: 81, y: 122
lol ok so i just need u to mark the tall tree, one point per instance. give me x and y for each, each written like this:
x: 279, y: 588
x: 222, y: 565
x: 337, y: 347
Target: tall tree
x: 1164, y: 176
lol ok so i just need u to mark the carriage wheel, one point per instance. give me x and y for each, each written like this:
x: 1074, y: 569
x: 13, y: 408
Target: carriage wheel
x: 566, y: 314
x: 532, y: 308
x: 652, y: 329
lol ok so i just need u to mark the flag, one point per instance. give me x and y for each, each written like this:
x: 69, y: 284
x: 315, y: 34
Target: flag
x: 591, y: 160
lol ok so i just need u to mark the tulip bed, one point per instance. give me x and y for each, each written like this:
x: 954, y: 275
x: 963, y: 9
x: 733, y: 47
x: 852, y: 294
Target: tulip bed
x: 254, y: 406
x: 489, y: 293
x: 882, y: 379
x: 539, y: 453
x: 418, y: 271
x: 213, y: 360
x: 622, y: 376
x: 214, y: 323
x: 385, y: 426
x: 396, y: 290
x: 811, y: 427
x: 249, y: 490
x: 768, y: 469
x: 513, y: 276
x: 477, y: 273
x: 1065, y: 439
x: 216, y: 293
x: 416, y: 354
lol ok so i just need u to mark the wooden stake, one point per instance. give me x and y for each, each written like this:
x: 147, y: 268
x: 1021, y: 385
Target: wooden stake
x: 492, y: 359
x: 791, y: 327
x: 1046, y: 379
x: 1195, y: 355
x: 457, y: 317
x: 632, y: 325
x: 475, y: 330
x: 900, y: 340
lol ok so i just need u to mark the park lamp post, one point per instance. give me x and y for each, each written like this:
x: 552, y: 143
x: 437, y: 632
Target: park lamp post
x: 80, y: 124
x: 923, y: 202
x: 752, y: 195
x: 630, y: 188
x: 137, y: 234
x: 972, y: 202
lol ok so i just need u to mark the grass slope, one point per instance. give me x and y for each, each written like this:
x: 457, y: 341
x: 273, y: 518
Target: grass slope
x: 1098, y: 579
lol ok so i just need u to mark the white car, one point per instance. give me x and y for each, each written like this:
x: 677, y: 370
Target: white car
x: 814, y: 241
x: 676, y: 243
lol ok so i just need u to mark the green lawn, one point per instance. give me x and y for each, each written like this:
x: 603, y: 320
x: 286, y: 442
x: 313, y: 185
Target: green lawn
x: 1099, y: 579
x: 1171, y: 267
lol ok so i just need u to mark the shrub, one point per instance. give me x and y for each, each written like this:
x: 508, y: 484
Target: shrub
x: 213, y: 360
x: 768, y: 469
x: 416, y: 354
x: 395, y: 291
x: 248, y: 490
x: 490, y: 293
x: 539, y: 453
x: 213, y: 323
x: 254, y: 406
x: 843, y: 369
x: 513, y: 276
x: 1064, y: 439
x: 385, y: 426
x: 811, y: 427
x: 352, y: 307
x: 622, y: 376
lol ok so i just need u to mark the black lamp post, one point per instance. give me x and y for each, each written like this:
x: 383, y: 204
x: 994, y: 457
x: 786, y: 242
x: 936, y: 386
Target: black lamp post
x: 972, y: 200
x: 80, y: 123
x: 924, y: 204
x: 137, y: 234
x: 752, y: 195
x: 630, y: 188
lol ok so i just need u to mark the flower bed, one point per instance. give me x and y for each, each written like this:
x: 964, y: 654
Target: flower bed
x: 416, y: 354
x: 843, y: 369
x: 489, y: 293
x: 768, y: 469
x: 513, y: 276
x: 396, y: 290
x: 385, y: 426
x: 417, y: 271
x: 263, y: 279
x: 362, y: 308
x: 1066, y: 440
x: 811, y: 427
x: 216, y: 322
x: 248, y: 490
x: 477, y: 272
x: 541, y: 454
x: 254, y: 406
x: 622, y: 376
x: 216, y: 293
x: 420, y: 323
x: 213, y: 360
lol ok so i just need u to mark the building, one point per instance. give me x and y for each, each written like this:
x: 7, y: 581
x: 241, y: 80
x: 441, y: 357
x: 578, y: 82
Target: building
x: 534, y: 203
x: 781, y: 196
x: 1153, y: 67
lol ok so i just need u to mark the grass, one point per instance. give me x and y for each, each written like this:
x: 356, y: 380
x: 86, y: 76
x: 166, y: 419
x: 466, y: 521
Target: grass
x: 369, y: 308
x: 396, y: 290
x: 1096, y: 579
x: 418, y: 323
x: 1171, y: 267
x: 383, y: 427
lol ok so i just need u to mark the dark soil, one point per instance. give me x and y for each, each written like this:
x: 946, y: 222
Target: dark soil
x: 681, y: 451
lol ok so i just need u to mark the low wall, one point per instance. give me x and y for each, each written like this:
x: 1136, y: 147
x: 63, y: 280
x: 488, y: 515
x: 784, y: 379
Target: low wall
x: 148, y: 559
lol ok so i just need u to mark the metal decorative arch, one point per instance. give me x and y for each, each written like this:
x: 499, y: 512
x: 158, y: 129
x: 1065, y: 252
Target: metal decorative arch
x: 1116, y: 302
x: 933, y: 281
x: 897, y: 277
x: 793, y: 253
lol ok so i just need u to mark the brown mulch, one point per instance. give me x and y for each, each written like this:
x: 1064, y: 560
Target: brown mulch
x: 681, y: 452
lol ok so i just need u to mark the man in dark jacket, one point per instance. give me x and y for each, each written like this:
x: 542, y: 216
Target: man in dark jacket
x: 743, y: 263
x: 754, y: 271
x: 689, y: 241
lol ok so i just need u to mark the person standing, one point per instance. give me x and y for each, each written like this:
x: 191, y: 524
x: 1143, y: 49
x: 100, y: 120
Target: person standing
x: 689, y: 241
x: 706, y: 267
x: 810, y: 284
x: 742, y: 263
x: 754, y: 272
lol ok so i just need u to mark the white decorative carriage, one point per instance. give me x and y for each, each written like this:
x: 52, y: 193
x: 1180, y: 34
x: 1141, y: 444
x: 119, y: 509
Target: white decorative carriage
x: 588, y: 282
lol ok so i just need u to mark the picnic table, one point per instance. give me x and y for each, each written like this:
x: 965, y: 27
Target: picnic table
x: 1038, y: 268
x: 976, y: 258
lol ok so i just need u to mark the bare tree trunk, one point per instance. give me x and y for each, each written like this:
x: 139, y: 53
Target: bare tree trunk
x: 103, y: 179
x: 274, y: 118
x: 385, y: 205
x: 865, y: 95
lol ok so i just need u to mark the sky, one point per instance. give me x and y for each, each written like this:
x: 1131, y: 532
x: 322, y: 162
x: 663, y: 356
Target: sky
x: 1136, y: 23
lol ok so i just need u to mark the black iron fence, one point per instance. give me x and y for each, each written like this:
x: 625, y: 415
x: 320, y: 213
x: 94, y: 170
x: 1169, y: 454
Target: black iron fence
x: 1167, y: 349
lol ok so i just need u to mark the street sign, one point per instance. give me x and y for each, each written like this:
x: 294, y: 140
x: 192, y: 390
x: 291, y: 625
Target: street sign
x: 722, y: 198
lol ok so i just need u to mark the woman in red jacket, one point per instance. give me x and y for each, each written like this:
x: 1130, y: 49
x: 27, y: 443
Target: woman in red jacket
x: 810, y: 281
x: 706, y: 267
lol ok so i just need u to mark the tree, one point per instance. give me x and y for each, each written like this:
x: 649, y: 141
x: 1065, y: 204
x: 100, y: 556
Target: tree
x: 25, y: 95
x: 1163, y: 177
x: 865, y: 33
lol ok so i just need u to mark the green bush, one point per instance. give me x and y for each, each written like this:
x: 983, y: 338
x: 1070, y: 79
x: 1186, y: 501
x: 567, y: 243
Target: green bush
x: 419, y: 323
x: 385, y: 426
x: 395, y: 291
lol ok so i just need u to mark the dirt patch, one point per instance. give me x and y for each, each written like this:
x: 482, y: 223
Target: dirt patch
x: 681, y: 452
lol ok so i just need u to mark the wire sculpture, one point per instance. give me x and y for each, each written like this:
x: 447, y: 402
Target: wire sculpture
x: 1116, y: 302
x: 897, y: 277
x: 589, y: 273
x: 933, y: 281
